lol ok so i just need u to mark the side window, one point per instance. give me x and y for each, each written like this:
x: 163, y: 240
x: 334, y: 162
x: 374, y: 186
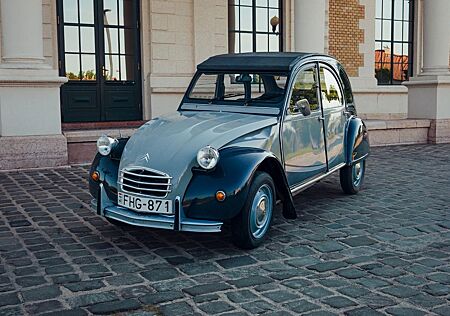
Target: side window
x: 331, y: 92
x: 348, y: 95
x: 305, y: 87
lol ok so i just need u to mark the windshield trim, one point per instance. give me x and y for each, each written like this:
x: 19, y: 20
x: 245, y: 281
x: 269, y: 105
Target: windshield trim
x: 231, y: 108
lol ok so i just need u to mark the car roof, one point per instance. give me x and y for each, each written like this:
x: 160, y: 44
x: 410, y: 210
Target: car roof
x: 279, y: 62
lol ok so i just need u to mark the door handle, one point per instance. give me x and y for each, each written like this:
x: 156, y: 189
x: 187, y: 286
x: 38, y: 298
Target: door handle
x: 346, y: 113
x: 321, y: 119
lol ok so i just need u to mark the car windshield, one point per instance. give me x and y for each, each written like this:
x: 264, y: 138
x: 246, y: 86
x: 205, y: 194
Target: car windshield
x: 244, y: 89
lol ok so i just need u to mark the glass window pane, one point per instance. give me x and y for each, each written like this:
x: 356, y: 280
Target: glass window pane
x: 274, y: 43
x: 262, y: 43
x: 379, y: 9
x: 87, y: 11
x: 112, y: 67
x: 88, y: 67
x: 70, y: 8
x: 246, y: 2
x: 405, y: 49
x: 205, y: 87
x: 331, y: 91
x: 261, y: 3
x: 406, y: 31
x: 398, y: 9
x: 305, y: 88
x: 398, y: 50
x: 110, y: 12
x: 71, y: 40
x: 126, y: 13
x: 127, y: 41
x: 378, y: 29
x: 111, y: 41
x: 246, y: 43
x: 386, y: 30
x: 387, y: 9
x: 274, y: 13
x: 245, y: 19
x: 398, y: 36
x: 72, y: 66
x: 87, y: 40
x: 274, y: 4
x: 262, y: 21
x: 406, y: 10
x: 127, y: 68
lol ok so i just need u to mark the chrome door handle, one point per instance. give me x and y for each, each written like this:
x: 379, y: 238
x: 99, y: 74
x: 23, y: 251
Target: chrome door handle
x: 321, y: 119
x: 347, y: 113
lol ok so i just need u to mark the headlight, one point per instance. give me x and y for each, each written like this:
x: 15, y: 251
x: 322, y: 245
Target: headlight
x: 207, y: 157
x: 105, y: 144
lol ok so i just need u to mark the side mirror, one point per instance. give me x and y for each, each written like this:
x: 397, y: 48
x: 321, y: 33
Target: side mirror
x: 303, y: 107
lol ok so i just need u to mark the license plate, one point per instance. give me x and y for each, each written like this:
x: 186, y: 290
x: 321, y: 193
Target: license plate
x: 142, y: 204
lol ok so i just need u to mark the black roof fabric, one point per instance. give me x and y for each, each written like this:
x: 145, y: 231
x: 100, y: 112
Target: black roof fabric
x: 260, y: 62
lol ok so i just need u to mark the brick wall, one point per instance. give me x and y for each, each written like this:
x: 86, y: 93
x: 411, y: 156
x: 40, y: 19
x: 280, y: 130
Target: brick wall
x: 345, y: 35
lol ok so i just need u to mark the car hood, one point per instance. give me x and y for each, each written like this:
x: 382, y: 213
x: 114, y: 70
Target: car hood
x: 170, y: 143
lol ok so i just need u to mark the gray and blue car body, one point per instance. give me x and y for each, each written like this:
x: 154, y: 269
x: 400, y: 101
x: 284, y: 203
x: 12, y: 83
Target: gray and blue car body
x: 252, y: 129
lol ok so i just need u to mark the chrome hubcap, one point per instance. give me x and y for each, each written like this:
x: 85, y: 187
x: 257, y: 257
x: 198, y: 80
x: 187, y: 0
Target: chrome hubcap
x: 261, y: 211
x: 358, y: 170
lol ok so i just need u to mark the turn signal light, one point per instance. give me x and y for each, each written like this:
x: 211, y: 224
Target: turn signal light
x: 220, y: 196
x: 95, y: 176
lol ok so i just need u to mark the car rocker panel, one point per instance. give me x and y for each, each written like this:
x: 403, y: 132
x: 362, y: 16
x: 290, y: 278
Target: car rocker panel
x: 196, y: 169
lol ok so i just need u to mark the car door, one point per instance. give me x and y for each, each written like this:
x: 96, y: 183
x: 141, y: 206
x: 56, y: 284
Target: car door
x: 302, y: 136
x: 334, y: 114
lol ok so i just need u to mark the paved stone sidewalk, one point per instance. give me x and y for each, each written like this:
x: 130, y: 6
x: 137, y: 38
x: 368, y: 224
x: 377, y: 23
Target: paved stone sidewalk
x: 384, y: 251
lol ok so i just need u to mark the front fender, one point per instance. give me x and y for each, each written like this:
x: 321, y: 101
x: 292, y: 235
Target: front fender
x: 357, y: 141
x: 108, y: 169
x: 232, y: 175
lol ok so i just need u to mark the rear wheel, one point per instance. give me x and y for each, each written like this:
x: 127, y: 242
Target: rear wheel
x: 250, y: 227
x: 352, y: 177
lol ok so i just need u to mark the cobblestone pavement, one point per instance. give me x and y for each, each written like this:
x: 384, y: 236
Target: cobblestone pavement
x: 384, y: 251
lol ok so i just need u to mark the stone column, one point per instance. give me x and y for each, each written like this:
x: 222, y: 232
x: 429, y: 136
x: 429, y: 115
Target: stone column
x: 309, y: 25
x: 30, y: 119
x: 429, y: 91
x: 22, y: 32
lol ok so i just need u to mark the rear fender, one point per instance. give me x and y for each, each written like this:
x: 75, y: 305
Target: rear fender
x: 357, y: 141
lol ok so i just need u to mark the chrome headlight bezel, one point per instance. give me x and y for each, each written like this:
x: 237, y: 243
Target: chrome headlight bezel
x: 208, y: 157
x: 106, y: 144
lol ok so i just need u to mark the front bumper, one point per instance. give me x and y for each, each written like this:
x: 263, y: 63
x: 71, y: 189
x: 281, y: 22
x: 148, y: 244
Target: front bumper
x: 177, y: 222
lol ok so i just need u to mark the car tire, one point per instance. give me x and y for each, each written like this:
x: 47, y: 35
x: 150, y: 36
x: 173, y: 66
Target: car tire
x: 352, y: 177
x: 250, y: 226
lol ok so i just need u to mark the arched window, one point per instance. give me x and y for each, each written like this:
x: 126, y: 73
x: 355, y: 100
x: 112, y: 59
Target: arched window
x: 255, y: 26
x: 394, y: 41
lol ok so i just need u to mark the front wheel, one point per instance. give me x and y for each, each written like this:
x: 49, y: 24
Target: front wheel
x: 250, y: 227
x: 352, y: 177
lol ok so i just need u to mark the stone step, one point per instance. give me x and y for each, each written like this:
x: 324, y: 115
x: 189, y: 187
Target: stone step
x: 398, y: 132
x: 82, y: 143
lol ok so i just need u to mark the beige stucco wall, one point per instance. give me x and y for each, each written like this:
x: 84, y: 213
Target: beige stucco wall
x: 178, y: 34
x: 183, y: 33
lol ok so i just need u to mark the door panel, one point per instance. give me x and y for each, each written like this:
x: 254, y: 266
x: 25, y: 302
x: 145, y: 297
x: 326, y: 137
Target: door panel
x: 302, y: 136
x: 99, y: 54
x: 334, y: 115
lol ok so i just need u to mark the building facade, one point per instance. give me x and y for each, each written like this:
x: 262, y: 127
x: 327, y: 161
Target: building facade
x: 88, y: 64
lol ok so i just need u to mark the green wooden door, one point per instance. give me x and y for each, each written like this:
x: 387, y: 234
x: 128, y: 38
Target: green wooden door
x: 99, y: 52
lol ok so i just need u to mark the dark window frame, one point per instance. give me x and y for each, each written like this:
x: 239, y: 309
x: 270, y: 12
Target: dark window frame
x: 379, y: 42
x: 99, y: 40
x: 236, y: 28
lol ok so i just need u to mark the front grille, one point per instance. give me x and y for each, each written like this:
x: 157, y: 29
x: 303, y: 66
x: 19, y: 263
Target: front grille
x: 145, y: 181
